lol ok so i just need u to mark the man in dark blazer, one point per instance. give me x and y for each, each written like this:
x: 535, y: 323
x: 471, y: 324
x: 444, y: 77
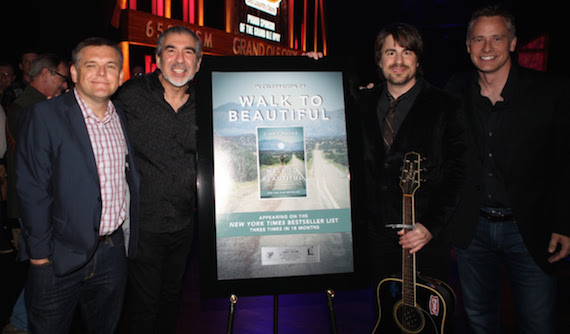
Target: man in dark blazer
x: 74, y: 179
x: 512, y: 211
x: 425, y: 122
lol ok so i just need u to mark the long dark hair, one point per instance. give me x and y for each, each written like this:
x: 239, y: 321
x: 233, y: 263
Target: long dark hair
x: 406, y: 35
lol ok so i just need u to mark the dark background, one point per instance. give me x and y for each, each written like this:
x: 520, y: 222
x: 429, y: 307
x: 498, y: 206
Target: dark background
x: 57, y: 26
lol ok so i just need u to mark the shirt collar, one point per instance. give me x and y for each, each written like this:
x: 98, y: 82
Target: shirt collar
x: 508, y: 92
x: 156, y: 85
x: 88, y: 113
x: 410, y: 95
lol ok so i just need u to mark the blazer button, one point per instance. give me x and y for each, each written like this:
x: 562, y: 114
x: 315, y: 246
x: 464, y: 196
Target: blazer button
x: 99, y: 198
x: 386, y: 165
x: 384, y: 188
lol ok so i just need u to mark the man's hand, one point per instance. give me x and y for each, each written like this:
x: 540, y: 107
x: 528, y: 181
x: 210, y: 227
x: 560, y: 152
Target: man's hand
x: 415, y: 239
x: 313, y: 54
x: 564, y: 242
x: 39, y: 262
x: 369, y: 86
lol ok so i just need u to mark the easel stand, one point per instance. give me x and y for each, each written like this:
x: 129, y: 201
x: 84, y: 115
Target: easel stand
x: 332, y: 317
x: 275, y: 314
x: 330, y: 303
x: 233, y: 302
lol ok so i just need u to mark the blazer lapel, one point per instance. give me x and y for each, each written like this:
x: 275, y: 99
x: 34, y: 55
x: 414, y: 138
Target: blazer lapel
x: 372, y: 119
x: 79, y: 130
x: 474, y: 125
x: 414, y: 115
x: 412, y: 118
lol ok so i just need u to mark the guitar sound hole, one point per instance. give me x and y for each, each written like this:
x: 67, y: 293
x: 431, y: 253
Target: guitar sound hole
x: 408, y: 318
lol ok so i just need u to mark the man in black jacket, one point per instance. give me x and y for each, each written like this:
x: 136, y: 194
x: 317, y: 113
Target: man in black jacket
x: 425, y: 121
x: 513, y: 208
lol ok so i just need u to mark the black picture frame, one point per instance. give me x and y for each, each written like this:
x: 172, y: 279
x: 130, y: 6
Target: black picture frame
x: 210, y: 285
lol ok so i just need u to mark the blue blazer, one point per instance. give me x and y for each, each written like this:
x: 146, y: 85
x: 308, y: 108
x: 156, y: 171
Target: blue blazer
x: 58, y: 185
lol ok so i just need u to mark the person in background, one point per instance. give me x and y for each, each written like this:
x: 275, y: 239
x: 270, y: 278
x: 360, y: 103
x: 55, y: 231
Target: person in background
x: 137, y: 71
x: 161, y: 113
x: 6, y: 246
x: 17, y: 88
x: 512, y: 211
x: 3, y: 147
x: 75, y: 174
x: 7, y: 76
x: 48, y: 78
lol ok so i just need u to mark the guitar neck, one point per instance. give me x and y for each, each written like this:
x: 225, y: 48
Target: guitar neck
x: 408, y: 260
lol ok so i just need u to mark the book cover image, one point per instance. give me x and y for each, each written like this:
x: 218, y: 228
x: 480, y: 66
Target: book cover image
x: 281, y: 162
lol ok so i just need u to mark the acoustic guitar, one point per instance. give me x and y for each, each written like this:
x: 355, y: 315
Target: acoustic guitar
x: 411, y: 303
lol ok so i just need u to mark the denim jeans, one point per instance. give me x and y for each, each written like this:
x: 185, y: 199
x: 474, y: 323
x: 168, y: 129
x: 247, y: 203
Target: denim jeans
x: 534, y: 292
x: 98, y: 289
x: 19, y: 317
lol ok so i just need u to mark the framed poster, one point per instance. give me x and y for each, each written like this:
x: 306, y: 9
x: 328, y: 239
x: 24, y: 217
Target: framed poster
x: 274, y: 183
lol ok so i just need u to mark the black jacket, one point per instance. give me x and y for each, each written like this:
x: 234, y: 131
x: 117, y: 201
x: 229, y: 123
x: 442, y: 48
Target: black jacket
x: 432, y: 129
x: 536, y: 179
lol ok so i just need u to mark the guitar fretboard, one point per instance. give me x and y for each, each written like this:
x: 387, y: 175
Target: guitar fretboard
x: 408, y: 260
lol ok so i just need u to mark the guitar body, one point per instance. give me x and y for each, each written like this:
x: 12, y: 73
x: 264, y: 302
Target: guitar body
x: 411, y: 303
x: 433, y: 312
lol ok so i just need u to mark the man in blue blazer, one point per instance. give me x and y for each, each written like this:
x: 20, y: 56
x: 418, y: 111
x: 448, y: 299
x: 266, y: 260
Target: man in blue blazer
x: 78, y: 191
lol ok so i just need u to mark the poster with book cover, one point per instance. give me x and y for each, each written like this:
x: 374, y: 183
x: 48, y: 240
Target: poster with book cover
x: 281, y: 179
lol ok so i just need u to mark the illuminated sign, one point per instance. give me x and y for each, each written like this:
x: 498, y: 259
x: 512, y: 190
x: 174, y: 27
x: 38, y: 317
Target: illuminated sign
x: 260, y: 27
x: 268, y: 6
x: 142, y: 28
x: 265, y: 19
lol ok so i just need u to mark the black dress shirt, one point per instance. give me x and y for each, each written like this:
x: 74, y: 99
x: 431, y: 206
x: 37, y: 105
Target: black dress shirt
x: 493, y: 120
x: 403, y: 106
x: 164, y: 141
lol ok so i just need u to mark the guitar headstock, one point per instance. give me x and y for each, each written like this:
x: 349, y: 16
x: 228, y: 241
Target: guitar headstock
x: 410, y: 178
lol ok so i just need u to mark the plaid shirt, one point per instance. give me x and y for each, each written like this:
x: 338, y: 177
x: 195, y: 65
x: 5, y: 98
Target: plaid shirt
x: 110, y: 151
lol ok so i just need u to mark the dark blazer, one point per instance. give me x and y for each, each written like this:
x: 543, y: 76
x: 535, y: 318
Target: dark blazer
x: 58, y: 185
x: 538, y: 147
x: 432, y: 129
